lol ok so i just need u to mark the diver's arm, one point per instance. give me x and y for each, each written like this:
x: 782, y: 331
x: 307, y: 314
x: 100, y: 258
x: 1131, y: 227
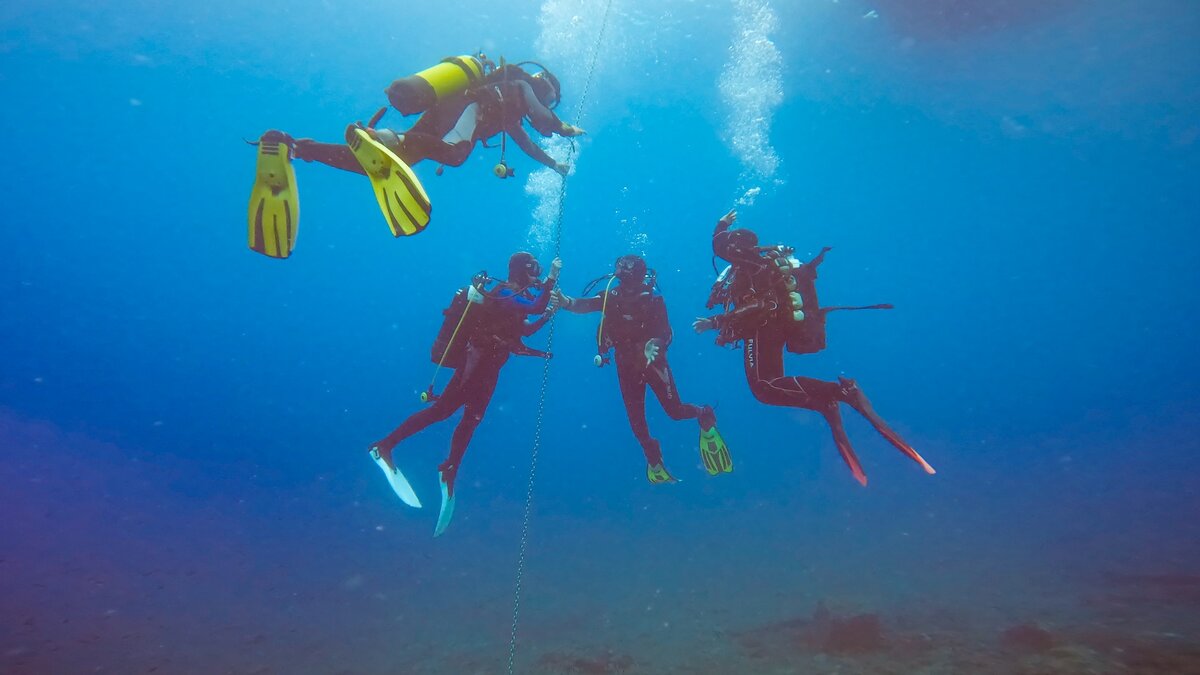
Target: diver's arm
x: 509, y: 298
x: 725, y: 222
x: 516, y: 299
x: 534, y: 325
x: 542, y: 118
x: 738, y: 315
x: 530, y: 148
x: 581, y: 305
x: 741, y: 313
x: 820, y: 258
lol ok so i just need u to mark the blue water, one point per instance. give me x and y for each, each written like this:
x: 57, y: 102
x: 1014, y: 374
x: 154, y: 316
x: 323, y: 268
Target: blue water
x: 183, y: 422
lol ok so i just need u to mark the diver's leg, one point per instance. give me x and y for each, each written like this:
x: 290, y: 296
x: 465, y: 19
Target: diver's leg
x: 855, y: 398
x: 478, y: 394
x: 764, y: 371
x: 633, y: 395
x: 453, y: 397
x: 442, y: 408
x: 337, y: 155
x: 763, y: 362
x: 418, y: 146
x: 662, y: 382
x: 833, y: 417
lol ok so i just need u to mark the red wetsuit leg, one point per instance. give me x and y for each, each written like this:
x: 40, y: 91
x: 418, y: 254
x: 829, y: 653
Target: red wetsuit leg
x: 478, y: 394
x: 630, y: 378
x: 833, y: 417
x: 418, y: 146
x: 661, y: 380
x: 763, y: 361
x: 455, y: 396
x: 855, y: 398
x: 337, y: 155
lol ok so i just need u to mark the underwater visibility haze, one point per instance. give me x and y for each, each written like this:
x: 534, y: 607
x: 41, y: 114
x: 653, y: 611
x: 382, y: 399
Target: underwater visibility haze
x: 185, y: 482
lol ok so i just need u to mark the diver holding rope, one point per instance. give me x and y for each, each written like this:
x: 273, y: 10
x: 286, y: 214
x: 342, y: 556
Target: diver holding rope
x: 447, y: 131
x: 482, y: 327
x: 463, y: 100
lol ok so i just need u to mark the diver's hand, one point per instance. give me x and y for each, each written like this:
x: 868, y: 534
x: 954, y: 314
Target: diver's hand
x: 562, y: 169
x: 555, y: 269
x: 652, y: 349
x: 370, y: 131
x: 561, y: 300
x: 702, y: 324
x: 729, y: 218
x: 570, y: 131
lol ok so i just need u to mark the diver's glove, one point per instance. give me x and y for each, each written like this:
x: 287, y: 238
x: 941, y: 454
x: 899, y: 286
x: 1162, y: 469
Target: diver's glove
x: 571, y: 131
x: 562, y: 169
x: 651, y: 351
x: 702, y: 324
x: 561, y: 300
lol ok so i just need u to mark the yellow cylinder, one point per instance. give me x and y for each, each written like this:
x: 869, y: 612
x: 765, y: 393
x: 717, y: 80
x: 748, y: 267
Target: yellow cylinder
x: 417, y: 93
x: 453, y: 75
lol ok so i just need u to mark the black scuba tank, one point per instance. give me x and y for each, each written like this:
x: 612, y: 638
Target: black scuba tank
x: 807, y: 335
x: 459, y: 321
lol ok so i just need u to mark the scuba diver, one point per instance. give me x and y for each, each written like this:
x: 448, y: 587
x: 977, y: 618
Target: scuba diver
x: 463, y: 100
x: 447, y: 132
x: 633, y: 324
x: 770, y: 303
x: 483, y: 325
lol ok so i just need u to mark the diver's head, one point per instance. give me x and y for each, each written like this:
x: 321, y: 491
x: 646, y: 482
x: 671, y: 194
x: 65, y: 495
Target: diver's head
x: 736, y: 245
x: 630, y: 270
x: 523, y: 269
x: 547, y: 89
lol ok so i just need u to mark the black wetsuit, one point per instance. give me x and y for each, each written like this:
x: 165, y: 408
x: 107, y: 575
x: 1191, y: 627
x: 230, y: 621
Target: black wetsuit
x: 760, y: 314
x: 632, y: 317
x: 494, y: 338
x: 504, y: 99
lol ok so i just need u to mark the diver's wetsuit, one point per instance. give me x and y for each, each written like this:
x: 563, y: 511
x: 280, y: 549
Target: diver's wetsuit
x: 632, y: 317
x: 448, y: 131
x: 472, y: 385
x: 498, y: 105
x: 760, y: 317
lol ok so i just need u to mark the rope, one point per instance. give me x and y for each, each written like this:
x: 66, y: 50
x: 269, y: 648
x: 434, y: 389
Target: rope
x: 603, y: 315
x: 541, y: 408
x: 449, y: 345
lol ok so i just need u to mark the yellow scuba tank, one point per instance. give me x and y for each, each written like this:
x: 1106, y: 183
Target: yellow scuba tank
x: 417, y: 93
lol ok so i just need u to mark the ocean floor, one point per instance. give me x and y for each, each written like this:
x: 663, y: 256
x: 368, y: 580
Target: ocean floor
x: 111, y: 564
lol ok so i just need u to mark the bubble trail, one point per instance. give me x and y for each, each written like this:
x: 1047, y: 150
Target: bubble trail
x: 751, y: 87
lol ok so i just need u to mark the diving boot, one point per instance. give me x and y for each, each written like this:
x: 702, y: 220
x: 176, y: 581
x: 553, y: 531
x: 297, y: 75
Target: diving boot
x: 657, y: 474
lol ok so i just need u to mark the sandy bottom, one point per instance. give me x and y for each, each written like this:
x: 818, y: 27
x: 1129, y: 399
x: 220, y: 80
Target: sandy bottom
x: 111, y: 565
